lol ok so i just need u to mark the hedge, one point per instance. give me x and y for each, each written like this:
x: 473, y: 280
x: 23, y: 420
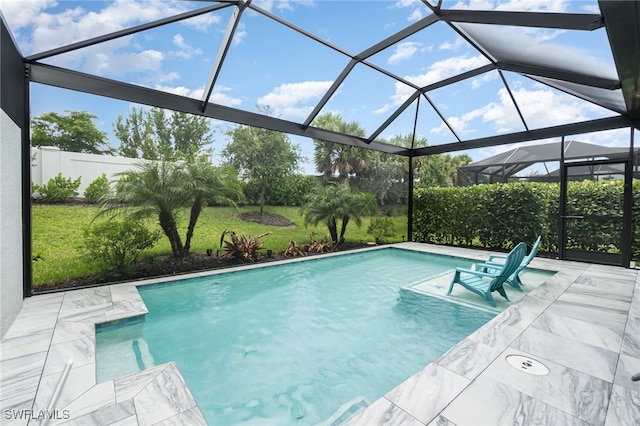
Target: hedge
x: 498, y: 216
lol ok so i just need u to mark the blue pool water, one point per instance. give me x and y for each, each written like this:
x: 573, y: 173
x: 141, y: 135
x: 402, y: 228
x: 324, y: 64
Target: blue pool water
x: 293, y: 343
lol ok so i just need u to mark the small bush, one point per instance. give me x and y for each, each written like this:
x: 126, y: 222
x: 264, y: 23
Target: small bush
x: 380, y: 228
x: 241, y: 247
x: 97, y: 190
x: 115, y: 246
x: 58, y: 189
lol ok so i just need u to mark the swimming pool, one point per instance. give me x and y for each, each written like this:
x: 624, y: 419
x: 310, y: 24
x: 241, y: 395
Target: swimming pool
x: 300, y: 343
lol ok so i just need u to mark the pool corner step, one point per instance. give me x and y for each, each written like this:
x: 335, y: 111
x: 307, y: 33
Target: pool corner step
x: 346, y: 411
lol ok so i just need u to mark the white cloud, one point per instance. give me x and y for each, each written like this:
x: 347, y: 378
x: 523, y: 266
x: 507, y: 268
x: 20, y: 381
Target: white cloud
x: 285, y: 99
x: 455, y: 45
x: 483, y: 79
x: 436, y: 72
x: 447, y: 68
x: 540, y: 106
x: 218, y: 96
x: 20, y: 14
x: 404, y: 51
x: 186, y: 51
x: 514, y: 5
x: 418, y: 8
x: 41, y: 30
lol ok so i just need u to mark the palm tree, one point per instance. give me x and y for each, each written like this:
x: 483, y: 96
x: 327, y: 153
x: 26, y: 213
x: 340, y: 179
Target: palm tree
x: 337, y: 202
x: 205, y: 183
x: 164, y: 189
x: 331, y: 158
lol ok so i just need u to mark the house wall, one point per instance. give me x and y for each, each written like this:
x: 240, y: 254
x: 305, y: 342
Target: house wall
x: 13, y: 95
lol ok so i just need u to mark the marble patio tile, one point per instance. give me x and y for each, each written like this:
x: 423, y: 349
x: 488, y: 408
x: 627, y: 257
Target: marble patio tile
x: 471, y: 356
x: 191, y: 417
x: 92, y: 314
x: 517, y: 317
x: 66, y: 331
x: 631, y: 340
x: 441, y: 421
x: 21, y: 375
x: 100, y: 396
x: 595, y: 334
x: 496, y: 335
x: 12, y: 406
x: 624, y: 407
x: 382, y: 412
x: 605, y: 289
x: 549, y: 291
x: 533, y: 304
x: 25, y: 345
x: 164, y: 397
x: 571, y: 391
x: 128, y: 421
x: 125, y: 309
x: 86, y: 297
x: 489, y: 402
x: 23, y: 325
x: 580, y: 356
x: 427, y: 392
x: 604, y: 273
x: 42, y: 304
x: 123, y: 413
x: 79, y: 381
x: 628, y: 366
x: 468, y: 358
x: 128, y: 387
x: 609, y: 309
x: 82, y: 351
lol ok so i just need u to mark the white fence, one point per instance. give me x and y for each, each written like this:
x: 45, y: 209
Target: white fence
x: 48, y: 161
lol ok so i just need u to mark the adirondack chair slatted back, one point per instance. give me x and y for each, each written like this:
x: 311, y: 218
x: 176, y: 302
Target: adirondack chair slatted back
x: 512, y: 262
x: 534, y: 251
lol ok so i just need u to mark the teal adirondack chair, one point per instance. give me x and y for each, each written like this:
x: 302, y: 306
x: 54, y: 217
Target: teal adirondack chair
x: 514, y: 279
x: 484, y: 283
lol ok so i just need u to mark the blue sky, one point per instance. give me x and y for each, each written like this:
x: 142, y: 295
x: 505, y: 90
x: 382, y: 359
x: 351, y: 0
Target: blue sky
x: 269, y: 64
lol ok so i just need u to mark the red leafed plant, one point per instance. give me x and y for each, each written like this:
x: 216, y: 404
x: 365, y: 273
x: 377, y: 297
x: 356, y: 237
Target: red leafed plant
x: 243, y: 248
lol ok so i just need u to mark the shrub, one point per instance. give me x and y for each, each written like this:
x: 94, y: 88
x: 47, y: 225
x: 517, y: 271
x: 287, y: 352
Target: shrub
x: 381, y: 228
x: 58, y: 189
x: 290, y: 192
x: 97, y: 190
x: 241, y: 247
x: 115, y: 245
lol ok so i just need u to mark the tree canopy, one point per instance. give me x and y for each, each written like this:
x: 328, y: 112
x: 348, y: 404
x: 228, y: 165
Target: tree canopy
x: 74, y: 132
x: 160, y: 135
x: 333, y: 158
x: 261, y: 155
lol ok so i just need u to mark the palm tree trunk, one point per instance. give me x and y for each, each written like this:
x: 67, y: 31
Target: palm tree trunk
x: 343, y: 228
x: 263, y: 189
x: 168, y: 225
x: 196, y: 209
x: 333, y: 229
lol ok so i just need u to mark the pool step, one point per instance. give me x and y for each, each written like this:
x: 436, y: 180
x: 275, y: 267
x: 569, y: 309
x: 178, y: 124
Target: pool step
x: 346, y: 411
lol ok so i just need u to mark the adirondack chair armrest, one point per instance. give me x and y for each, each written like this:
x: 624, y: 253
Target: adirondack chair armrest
x: 487, y: 264
x: 497, y: 256
x: 471, y: 271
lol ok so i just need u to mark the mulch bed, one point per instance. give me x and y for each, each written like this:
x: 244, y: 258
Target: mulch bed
x: 167, y: 265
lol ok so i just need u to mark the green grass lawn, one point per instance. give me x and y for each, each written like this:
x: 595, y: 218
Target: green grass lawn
x: 58, y: 234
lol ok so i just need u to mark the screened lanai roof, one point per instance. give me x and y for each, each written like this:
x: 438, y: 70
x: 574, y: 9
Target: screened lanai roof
x: 456, y: 76
x: 507, y: 164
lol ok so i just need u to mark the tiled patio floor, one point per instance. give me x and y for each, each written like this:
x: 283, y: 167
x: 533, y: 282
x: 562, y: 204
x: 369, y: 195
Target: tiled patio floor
x: 583, y: 324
